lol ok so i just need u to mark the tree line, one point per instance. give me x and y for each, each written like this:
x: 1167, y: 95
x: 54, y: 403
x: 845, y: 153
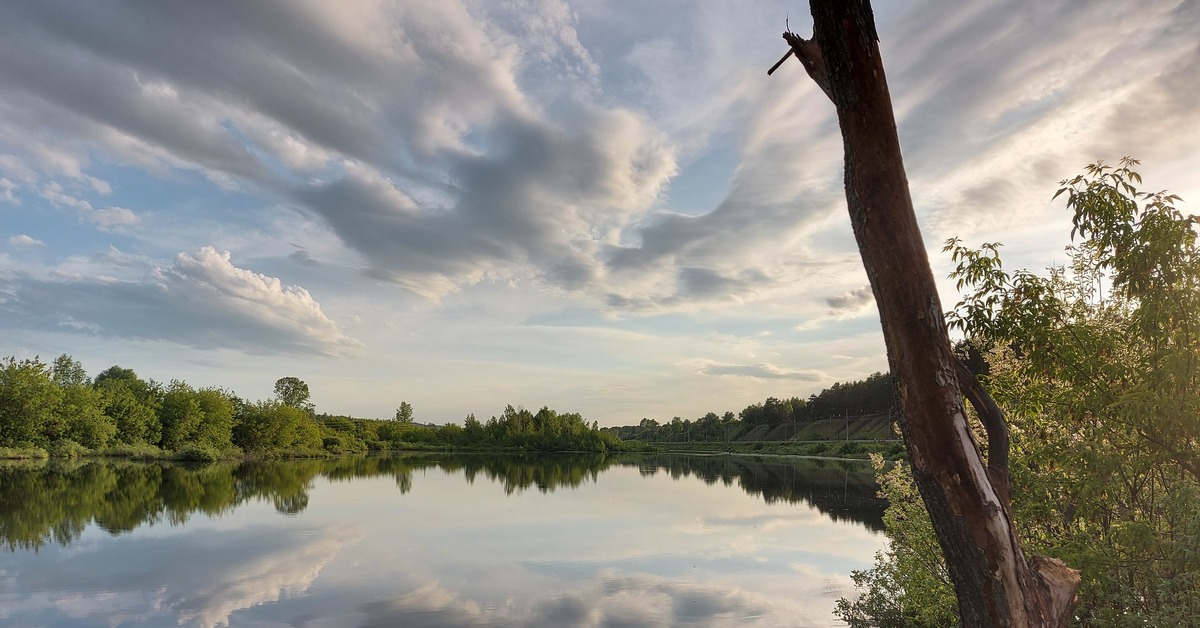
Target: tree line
x: 871, y: 395
x: 56, y: 409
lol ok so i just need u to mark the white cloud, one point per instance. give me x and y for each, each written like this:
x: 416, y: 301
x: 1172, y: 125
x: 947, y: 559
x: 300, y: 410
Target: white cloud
x: 257, y: 568
x: 203, y: 300
x: 24, y: 241
x: 761, y: 371
x: 106, y: 219
x: 7, y: 188
x: 637, y: 165
x: 851, y: 302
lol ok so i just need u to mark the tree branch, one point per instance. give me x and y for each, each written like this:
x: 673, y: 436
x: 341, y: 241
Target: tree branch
x: 809, y: 54
x: 997, y: 431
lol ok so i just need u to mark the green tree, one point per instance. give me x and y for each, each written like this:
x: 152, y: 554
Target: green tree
x: 1096, y: 367
x: 180, y: 415
x: 132, y: 403
x: 272, y: 426
x: 218, y: 408
x: 82, y: 411
x: 292, y: 391
x: 67, y: 371
x: 80, y: 415
x: 404, y: 413
x: 28, y: 401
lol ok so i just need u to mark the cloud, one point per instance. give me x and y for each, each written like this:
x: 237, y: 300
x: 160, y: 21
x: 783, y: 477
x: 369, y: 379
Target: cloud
x: 159, y: 580
x: 852, y: 302
x: 997, y: 102
x: 7, y: 188
x: 304, y: 258
x: 448, y: 143
x: 443, y: 142
x: 760, y: 371
x: 202, y: 300
x: 24, y: 241
x: 107, y: 219
x: 609, y: 599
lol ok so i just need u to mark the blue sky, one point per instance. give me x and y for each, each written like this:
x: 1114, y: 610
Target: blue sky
x: 604, y: 207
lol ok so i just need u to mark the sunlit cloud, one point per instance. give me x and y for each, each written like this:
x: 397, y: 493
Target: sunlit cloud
x: 24, y: 240
x: 636, y: 166
x: 202, y: 299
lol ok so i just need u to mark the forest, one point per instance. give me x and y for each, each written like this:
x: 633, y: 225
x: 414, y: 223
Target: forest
x: 57, y: 410
x: 872, y: 395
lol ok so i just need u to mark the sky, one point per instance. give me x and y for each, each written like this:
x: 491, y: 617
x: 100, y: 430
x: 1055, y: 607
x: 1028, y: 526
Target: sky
x: 603, y: 207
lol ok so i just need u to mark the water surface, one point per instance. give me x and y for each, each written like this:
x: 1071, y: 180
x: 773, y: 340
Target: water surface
x: 435, y: 540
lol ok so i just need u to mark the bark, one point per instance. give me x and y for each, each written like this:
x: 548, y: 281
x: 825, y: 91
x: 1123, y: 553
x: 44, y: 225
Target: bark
x: 995, y: 427
x: 968, y: 504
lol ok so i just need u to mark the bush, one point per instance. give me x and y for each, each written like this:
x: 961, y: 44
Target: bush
x: 23, y: 453
x: 341, y: 444
x: 849, y: 448
x: 140, y: 451
x: 67, y: 448
x: 198, y: 453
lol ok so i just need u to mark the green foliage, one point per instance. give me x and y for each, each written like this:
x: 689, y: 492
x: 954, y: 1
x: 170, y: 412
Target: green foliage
x: 23, y: 453
x: 28, y: 400
x: 133, y: 405
x: 121, y: 415
x: 180, y: 415
x: 67, y: 372
x: 271, y: 427
x: 292, y: 391
x: 200, y: 417
x: 909, y: 585
x: 1097, y: 367
x: 873, y: 395
x: 83, y: 413
x: 67, y: 448
x: 198, y: 453
x: 135, y: 451
x: 216, y: 425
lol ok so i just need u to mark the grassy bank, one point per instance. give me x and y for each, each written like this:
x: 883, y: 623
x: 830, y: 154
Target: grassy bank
x: 891, y: 450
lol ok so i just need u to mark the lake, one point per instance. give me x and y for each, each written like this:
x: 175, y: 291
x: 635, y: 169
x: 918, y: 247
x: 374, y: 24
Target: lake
x: 435, y: 540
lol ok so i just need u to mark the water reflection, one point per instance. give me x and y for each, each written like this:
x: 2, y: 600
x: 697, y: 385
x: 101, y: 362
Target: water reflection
x: 46, y: 502
x: 842, y: 490
x: 383, y: 541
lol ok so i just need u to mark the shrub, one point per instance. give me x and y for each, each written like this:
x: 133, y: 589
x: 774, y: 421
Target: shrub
x: 198, y: 453
x: 135, y: 450
x: 23, y: 453
x: 67, y: 448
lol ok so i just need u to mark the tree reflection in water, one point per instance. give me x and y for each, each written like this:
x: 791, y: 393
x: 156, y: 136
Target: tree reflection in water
x: 54, y: 502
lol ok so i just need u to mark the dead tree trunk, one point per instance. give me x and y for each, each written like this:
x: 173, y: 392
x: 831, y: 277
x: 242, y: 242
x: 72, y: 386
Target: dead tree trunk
x: 967, y: 500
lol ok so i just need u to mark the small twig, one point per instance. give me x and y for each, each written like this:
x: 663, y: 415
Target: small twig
x: 779, y: 63
x: 788, y: 28
x: 809, y: 54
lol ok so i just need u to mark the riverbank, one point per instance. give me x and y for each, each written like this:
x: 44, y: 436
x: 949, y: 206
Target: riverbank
x: 847, y: 450
x: 198, y: 453
x: 854, y: 450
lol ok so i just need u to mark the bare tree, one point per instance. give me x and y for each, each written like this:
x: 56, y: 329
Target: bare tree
x: 967, y: 499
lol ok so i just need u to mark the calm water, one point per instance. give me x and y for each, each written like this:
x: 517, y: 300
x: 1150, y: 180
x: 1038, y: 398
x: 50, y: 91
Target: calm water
x: 435, y: 540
